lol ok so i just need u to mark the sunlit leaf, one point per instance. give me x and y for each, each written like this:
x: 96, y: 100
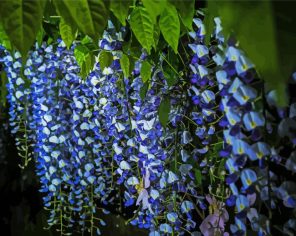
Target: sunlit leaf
x: 4, y: 40
x: 143, y: 27
x: 170, y: 26
x: 86, y: 40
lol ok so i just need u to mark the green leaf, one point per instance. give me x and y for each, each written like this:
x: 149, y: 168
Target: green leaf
x: 143, y: 27
x: 198, y: 177
x: 170, y: 67
x: 4, y: 40
x: 21, y: 21
x: 143, y: 90
x: 170, y: 26
x: 50, y: 10
x: 120, y: 9
x: 156, y: 35
x: 154, y: 7
x: 145, y: 71
x: 80, y: 53
x: 186, y: 10
x: 131, y: 64
x: 64, y: 12
x: 86, y: 40
x: 90, y: 16
x: 164, y: 110
x: 84, y: 58
x: 125, y: 65
x: 67, y: 33
x: 105, y: 59
x: 40, y: 35
x: 170, y: 76
x: 88, y: 64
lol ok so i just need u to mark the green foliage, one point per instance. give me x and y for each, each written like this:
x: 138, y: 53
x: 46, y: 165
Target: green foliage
x: 254, y: 24
x: 90, y: 16
x: 120, y: 9
x: 39, y: 37
x: 4, y: 40
x: 105, y: 59
x: 21, y: 20
x: 80, y: 53
x: 85, y: 59
x: 143, y: 27
x: 144, y: 90
x: 170, y: 76
x: 156, y: 35
x: 67, y: 33
x: 164, y: 110
x: 186, y: 10
x: 154, y: 7
x: 125, y: 65
x: 86, y: 40
x: 170, y: 67
x: 170, y: 26
x: 63, y: 11
x: 145, y: 71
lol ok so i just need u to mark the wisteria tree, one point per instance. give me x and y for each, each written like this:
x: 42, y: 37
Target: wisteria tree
x: 178, y: 116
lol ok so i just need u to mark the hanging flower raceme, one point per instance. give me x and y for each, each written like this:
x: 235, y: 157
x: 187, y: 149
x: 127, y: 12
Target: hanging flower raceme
x: 247, y: 149
x: 19, y: 98
x: 205, y: 93
x: 51, y: 114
